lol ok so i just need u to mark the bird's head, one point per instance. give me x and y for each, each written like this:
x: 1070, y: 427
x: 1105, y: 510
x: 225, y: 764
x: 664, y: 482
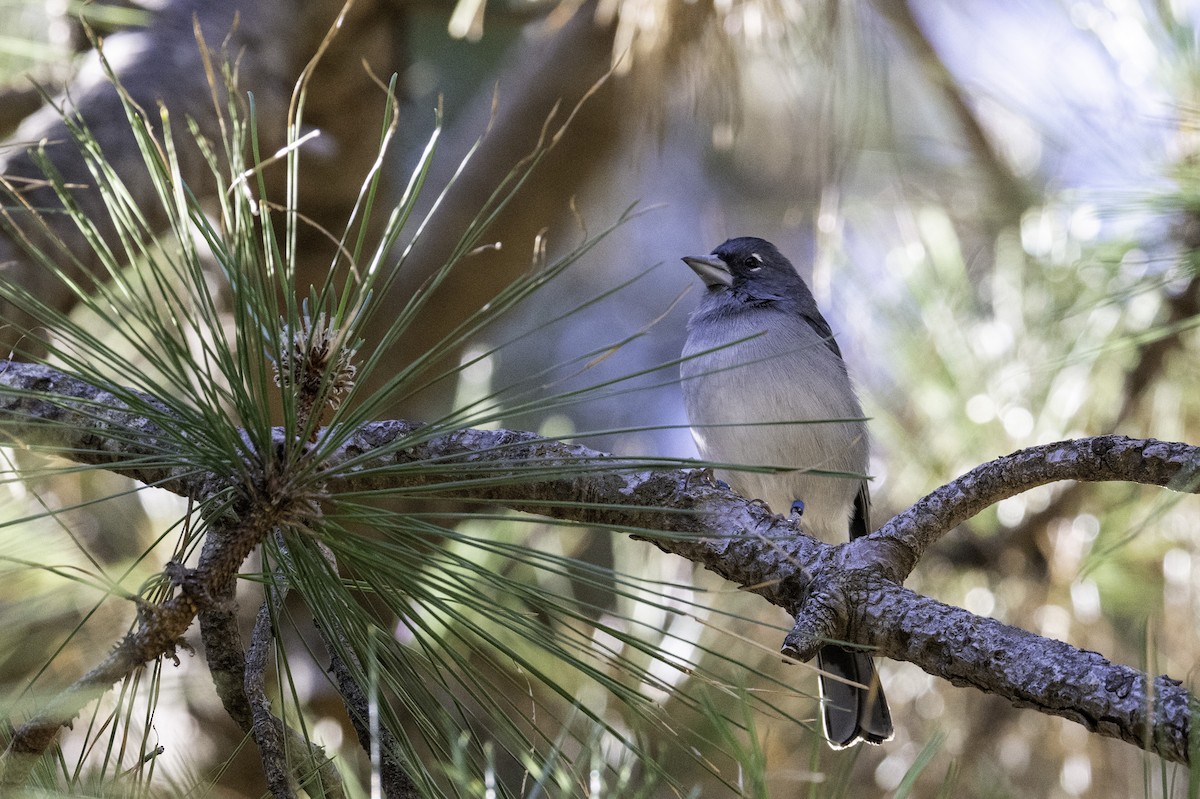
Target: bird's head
x: 749, y: 267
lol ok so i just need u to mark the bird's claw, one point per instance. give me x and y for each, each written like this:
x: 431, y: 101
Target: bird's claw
x: 706, y: 476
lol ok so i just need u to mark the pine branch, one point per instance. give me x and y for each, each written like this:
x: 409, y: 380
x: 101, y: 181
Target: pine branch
x: 849, y: 592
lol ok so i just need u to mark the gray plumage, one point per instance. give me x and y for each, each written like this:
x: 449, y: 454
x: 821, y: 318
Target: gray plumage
x: 759, y: 351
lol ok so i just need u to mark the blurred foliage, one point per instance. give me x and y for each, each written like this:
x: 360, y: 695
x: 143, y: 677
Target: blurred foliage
x: 977, y: 318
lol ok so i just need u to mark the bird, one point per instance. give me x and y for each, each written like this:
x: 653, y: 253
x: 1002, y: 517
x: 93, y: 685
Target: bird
x: 759, y: 351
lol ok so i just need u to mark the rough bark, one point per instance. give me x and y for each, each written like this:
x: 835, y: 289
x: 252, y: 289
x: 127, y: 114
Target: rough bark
x: 849, y: 592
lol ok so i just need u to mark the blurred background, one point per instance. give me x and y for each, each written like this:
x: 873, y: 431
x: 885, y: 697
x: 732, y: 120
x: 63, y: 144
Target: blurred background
x: 993, y: 202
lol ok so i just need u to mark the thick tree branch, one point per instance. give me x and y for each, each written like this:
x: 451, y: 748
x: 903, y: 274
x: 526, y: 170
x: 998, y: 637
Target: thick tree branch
x: 850, y: 591
x: 1029, y: 670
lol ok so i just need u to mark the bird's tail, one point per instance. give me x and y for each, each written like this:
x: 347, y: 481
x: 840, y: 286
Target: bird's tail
x: 852, y: 713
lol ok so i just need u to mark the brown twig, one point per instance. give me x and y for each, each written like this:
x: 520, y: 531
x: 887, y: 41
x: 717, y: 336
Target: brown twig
x: 344, y: 665
x: 265, y: 726
x: 272, y: 736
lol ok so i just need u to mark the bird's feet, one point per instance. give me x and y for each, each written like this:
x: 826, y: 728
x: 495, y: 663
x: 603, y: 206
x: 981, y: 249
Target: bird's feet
x: 706, y: 477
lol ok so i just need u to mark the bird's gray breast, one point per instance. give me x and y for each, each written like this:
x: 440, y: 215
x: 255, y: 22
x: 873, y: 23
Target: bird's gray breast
x: 748, y: 379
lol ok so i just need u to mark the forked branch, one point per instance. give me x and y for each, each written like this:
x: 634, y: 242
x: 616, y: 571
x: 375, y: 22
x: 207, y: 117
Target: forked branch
x: 850, y: 592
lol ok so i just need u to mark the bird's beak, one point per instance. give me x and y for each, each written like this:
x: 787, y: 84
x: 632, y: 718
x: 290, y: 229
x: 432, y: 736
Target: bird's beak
x: 713, y: 271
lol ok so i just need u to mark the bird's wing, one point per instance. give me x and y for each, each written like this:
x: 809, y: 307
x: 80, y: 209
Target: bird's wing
x: 817, y: 322
x: 860, y: 523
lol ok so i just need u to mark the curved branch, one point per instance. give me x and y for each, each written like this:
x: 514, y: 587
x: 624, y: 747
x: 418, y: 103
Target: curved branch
x: 1100, y: 458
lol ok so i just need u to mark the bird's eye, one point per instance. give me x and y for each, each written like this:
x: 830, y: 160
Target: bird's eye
x: 754, y: 262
